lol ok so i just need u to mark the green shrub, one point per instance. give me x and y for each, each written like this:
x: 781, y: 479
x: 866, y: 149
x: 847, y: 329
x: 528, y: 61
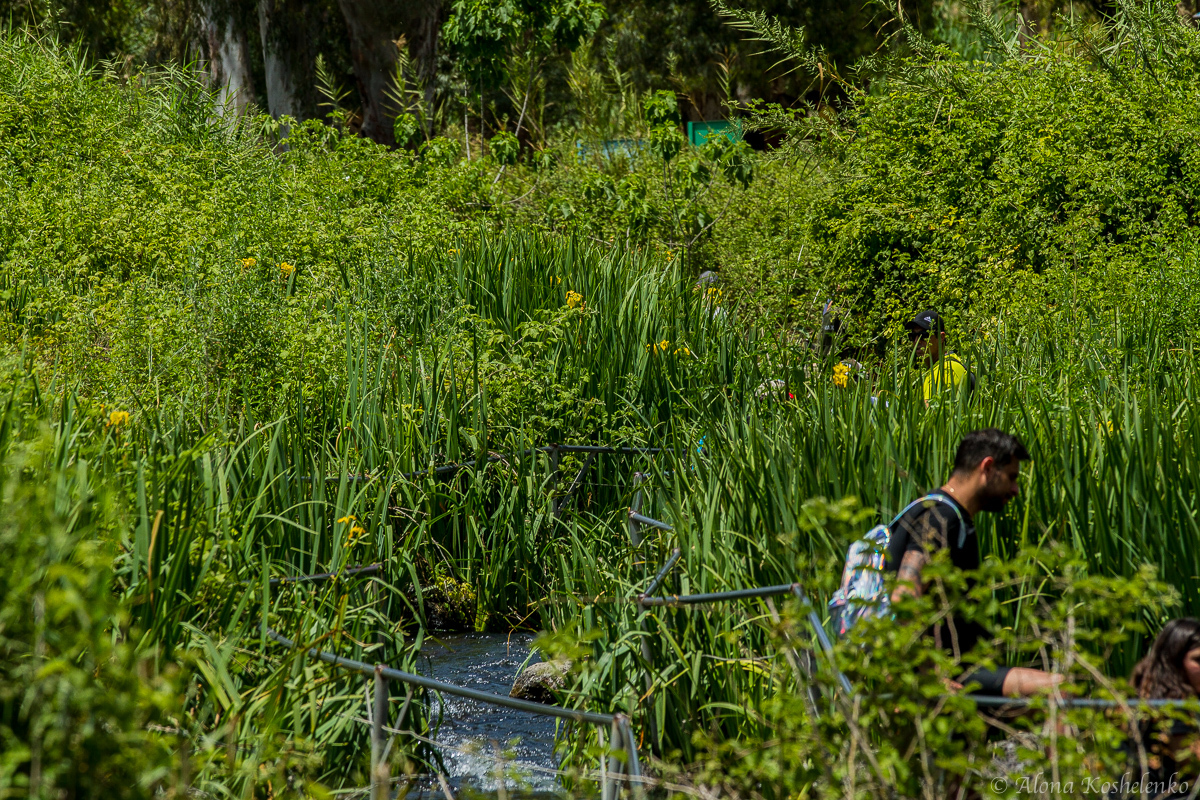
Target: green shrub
x: 505, y: 148
x: 81, y: 703
x: 1014, y: 188
x: 146, y: 242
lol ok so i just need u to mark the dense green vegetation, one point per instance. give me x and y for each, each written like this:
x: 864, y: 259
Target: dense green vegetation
x: 478, y: 66
x: 1058, y: 181
x: 236, y: 351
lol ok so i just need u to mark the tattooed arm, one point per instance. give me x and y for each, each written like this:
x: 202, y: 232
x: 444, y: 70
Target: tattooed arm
x: 908, y: 577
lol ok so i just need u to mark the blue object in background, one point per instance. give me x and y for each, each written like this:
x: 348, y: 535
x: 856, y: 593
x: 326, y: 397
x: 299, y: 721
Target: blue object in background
x: 697, y: 132
x: 611, y: 147
x: 700, y: 132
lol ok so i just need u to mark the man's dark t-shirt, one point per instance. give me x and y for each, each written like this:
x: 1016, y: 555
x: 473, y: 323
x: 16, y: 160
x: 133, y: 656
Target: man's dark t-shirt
x: 934, y: 524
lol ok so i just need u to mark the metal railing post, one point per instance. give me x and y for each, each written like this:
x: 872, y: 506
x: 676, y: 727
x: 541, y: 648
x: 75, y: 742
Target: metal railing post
x: 375, y: 598
x: 647, y: 680
x: 605, y: 789
x: 569, y: 495
x: 633, y: 767
x: 635, y: 527
x: 802, y: 665
x: 552, y: 450
x: 635, y: 539
x: 380, y: 773
x: 612, y: 785
x: 822, y: 639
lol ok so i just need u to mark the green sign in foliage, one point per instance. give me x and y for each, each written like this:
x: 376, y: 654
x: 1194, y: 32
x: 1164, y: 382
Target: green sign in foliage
x: 700, y: 132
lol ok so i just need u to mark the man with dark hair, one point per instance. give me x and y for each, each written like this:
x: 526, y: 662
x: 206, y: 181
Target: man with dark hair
x: 946, y: 370
x: 986, y: 467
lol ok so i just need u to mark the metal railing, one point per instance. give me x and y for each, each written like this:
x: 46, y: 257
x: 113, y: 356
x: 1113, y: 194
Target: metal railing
x: 647, y: 599
x: 620, y: 737
x: 349, y: 572
x: 993, y: 701
x: 621, y: 734
x: 554, y: 450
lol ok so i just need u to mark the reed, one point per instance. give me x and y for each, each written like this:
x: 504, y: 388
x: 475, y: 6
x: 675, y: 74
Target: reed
x: 482, y: 354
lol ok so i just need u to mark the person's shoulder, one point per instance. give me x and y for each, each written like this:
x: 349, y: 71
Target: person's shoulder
x: 956, y: 365
x: 941, y: 518
x: 928, y: 513
x: 949, y: 511
x: 949, y: 501
x: 939, y: 505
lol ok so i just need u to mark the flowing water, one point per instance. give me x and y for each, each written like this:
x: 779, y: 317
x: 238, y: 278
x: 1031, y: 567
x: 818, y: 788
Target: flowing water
x: 473, y: 734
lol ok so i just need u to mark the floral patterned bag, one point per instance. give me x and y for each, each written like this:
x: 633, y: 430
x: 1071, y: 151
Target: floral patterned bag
x: 862, y: 591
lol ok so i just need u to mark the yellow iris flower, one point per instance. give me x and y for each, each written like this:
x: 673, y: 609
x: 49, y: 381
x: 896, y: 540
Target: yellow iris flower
x: 841, y: 375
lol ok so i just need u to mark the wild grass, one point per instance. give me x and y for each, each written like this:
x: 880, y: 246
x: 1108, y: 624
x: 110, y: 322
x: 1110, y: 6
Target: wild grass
x: 497, y: 347
x: 1113, y: 475
x: 215, y: 503
x: 402, y: 359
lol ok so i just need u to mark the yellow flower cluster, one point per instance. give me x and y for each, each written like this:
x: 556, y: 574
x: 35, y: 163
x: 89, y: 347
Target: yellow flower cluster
x: 574, y: 300
x: 118, y: 418
x: 248, y: 262
x: 356, y: 531
x: 682, y: 351
x: 841, y: 375
x: 555, y: 280
x: 658, y: 347
x: 286, y: 268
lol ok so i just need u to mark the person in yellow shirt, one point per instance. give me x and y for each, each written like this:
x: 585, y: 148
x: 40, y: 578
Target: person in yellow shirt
x: 946, y: 370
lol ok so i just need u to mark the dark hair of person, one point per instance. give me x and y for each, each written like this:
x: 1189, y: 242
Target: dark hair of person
x: 1160, y: 674
x: 978, y: 445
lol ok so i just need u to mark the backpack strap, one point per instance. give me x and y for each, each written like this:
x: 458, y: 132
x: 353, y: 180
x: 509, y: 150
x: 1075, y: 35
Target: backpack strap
x: 937, y: 497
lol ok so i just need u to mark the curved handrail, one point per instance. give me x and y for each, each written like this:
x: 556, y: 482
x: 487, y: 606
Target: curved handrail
x: 622, y: 735
x: 449, y: 469
x: 449, y: 688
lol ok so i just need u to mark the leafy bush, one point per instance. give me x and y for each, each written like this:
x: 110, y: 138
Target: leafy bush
x: 1056, y: 177
x: 146, y: 242
x: 81, y: 702
x: 903, y: 734
x: 505, y: 148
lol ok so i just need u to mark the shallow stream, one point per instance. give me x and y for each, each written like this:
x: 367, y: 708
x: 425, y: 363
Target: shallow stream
x: 472, y: 734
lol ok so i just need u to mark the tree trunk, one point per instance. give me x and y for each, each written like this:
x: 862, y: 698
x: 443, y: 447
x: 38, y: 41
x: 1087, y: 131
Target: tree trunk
x: 374, y: 25
x: 422, y: 31
x: 1036, y: 17
x: 228, y: 62
x: 281, y: 83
